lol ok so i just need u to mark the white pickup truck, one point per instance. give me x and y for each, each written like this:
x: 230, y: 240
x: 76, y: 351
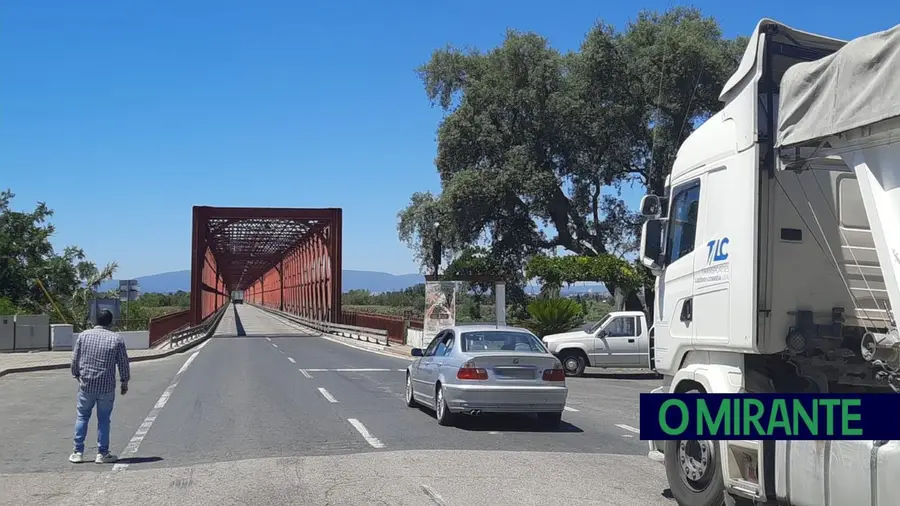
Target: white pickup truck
x: 621, y: 340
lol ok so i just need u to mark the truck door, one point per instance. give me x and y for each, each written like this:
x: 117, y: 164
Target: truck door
x: 677, y: 287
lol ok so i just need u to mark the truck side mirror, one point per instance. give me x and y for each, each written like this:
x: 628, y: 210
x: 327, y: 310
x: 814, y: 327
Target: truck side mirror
x: 651, y: 246
x: 652, y: 206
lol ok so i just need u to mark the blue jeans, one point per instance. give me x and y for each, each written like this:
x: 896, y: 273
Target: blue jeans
x: 84, y: 407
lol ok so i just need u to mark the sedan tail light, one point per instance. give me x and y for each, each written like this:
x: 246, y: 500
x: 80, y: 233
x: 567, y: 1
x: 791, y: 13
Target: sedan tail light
x: 468, y: 371
x: 555, y: 374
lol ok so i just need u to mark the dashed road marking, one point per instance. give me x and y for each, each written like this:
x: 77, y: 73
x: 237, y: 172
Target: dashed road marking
x: 627, y: 435
x: 303, y: 372
x: 269, y: 339
x: 571, y: 409
x: 142, y: 431
x: 275, y: 345
x: 327, y: 395
x: 629, y: 428
x: 352, y: 370
x: 292, y: 360
x: 433, y: 495
x: 364, y: 432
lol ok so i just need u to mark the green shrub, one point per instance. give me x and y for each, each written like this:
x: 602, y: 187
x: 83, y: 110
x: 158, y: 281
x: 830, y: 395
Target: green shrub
x: 552, y: 316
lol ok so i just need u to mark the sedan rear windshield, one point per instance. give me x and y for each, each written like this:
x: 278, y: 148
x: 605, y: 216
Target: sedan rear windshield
x: 499, y: 340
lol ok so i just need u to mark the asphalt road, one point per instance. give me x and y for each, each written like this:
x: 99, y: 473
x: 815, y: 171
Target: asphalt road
x: 269, y: 414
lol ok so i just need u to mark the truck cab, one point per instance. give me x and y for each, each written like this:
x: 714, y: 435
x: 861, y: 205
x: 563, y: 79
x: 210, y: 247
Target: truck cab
x: 620, y: 340
x: 776, y: 251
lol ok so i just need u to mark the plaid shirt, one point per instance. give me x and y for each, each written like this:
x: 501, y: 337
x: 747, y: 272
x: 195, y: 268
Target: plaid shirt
x: 95, y: 356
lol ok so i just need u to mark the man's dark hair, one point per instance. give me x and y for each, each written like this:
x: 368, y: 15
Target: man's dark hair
x: 104, y: 318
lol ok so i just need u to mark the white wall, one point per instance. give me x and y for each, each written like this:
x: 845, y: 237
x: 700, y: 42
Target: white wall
x: 61, y: 336
x: 415, y: 337
x: 136, y: 339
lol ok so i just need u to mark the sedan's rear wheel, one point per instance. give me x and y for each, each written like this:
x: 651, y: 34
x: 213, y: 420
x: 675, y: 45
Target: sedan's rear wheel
x: 410, y: 398
x: 444, y: 416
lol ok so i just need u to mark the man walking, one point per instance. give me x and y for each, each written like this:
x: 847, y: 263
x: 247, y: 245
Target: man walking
x: 96, y: 354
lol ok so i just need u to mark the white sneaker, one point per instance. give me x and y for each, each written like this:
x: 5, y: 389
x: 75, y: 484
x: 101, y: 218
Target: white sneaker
x: 76, y: 458
x: 109, y: 458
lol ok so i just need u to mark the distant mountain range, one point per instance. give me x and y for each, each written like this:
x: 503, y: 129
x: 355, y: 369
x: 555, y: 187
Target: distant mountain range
x: 168, y: 282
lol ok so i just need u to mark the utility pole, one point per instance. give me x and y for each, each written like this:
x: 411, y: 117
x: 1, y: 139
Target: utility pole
x: 437, y: 249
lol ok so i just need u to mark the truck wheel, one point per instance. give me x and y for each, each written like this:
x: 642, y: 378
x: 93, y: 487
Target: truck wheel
x: 694, y: 472
x: 573, y: 363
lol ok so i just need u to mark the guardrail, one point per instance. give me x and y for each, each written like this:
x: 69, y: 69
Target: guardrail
x: 161, y: 326
x: 378, y: 336
x: 205, y: 328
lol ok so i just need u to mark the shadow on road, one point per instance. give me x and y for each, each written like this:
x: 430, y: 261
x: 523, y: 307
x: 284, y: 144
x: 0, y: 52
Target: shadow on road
x: 237, y: 323
x: 507, y: 423
x: 623, y: 375
x: 138, y: 460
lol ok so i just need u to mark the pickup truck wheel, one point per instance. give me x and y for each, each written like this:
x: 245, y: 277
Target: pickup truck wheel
x: 573, y: 363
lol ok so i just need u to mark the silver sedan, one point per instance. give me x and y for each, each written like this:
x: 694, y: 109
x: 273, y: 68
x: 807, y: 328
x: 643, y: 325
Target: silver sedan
x: 487, y: 369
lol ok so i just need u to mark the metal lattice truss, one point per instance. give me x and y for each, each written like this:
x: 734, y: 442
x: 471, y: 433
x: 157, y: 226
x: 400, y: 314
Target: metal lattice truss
x: 246, y: 249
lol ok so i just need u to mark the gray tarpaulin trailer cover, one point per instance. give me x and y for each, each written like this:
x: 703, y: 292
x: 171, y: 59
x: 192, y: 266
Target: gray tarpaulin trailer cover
x: 856, y: 86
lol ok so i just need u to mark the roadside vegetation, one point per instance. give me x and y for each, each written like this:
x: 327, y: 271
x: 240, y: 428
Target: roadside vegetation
x: 35, y: 278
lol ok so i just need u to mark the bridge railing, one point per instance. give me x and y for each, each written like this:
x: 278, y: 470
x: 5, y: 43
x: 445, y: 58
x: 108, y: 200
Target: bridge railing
x: 368, y: 334
x: 207, y: 327
x: 161, y: 326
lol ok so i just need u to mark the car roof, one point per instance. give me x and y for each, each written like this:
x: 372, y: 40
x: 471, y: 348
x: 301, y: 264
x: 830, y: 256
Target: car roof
x: 485, y: 327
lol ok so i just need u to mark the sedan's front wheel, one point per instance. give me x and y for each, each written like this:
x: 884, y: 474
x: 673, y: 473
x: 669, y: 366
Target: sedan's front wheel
x: 410, y: 398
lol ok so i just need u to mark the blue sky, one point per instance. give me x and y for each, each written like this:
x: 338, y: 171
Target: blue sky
x: 122, y: 115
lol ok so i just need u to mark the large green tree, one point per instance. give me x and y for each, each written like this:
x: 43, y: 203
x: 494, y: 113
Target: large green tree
x: 33, y: 277
x: 535, y: 145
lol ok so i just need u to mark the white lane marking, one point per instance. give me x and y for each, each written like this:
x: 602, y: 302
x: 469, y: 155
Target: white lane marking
x: 364, y: 432
x: 571, y: 409
x: 351, y: 370
x: 433, y: 495
x: 275, y: 345
x: 493, y: 433
x: 303, y: 372
x: 269, y: 339
x: 292, y: 360
x: 627, y: 435
x: 142, y: 431
x: 204, y: 343
x: 401, y: 370
x: 327, y: 395
x: 629, y: 428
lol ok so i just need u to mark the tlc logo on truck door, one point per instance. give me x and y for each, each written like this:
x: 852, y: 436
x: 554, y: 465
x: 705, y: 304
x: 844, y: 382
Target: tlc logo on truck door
x: 717, y: 268
x: 717, y: 251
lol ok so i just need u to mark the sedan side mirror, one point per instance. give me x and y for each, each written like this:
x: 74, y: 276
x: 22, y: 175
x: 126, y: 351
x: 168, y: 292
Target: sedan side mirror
x: 416, y: 352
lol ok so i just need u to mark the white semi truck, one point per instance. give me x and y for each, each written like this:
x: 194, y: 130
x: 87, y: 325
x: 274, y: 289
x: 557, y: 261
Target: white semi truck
x: 777, y: 255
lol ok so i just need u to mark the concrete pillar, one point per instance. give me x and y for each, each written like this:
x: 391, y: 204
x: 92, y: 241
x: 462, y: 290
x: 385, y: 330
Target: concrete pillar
x: 500, y: 302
